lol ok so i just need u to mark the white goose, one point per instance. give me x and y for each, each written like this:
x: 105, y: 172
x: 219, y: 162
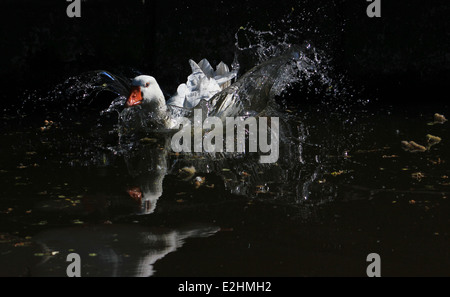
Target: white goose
x: 146, y: 91
x: 203, y: 83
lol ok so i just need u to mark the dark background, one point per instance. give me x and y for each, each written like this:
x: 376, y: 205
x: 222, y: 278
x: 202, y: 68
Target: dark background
x: 401, y: 56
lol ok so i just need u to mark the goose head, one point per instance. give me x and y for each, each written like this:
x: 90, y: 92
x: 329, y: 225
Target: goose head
x: 145, y: 91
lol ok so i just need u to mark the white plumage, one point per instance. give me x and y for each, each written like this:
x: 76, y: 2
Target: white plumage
x: 203, y: 83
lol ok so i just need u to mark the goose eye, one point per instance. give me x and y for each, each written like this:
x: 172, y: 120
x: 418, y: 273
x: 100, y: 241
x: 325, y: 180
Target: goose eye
x: 147, y: 84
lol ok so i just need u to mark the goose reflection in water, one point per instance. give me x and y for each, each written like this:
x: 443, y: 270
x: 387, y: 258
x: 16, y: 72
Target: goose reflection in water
x: 111, y: 250
x: 147, y: 165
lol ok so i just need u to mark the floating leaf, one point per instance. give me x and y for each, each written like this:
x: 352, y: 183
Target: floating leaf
x: 199, y: 181
x: 148, y: 140
x: 22, y: 244
x: 186, y: 173
x: 417, y: 175
x: 439, y: 118
x: 438, y: 161
x: 432, y: 140
x: 336, y: 173
x: 413, y: 147
x: 389, y: 157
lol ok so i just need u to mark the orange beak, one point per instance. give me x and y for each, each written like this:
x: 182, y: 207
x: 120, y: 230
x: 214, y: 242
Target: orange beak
x: 135, y: 97
x: 135, y: 194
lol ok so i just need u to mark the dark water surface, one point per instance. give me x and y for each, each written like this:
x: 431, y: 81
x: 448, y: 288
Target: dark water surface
x: 376, y: 198
x: 73, y: 180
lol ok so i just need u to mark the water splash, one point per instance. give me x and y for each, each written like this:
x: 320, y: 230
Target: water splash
x: 296, y: 83
x: 75, y: 92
